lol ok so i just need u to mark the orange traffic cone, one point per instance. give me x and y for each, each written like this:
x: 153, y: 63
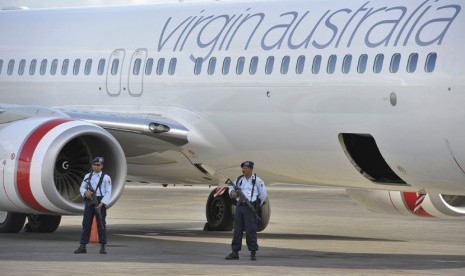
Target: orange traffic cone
x: 94, y: 232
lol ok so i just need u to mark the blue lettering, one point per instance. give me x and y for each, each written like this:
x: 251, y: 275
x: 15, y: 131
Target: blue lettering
x: 440, y: 37
x: 285, y: 28
x: 331, y: 26
x: 408, y: 20
x: 309, y: 37
x: 422, y: 25
x: 386, y: 39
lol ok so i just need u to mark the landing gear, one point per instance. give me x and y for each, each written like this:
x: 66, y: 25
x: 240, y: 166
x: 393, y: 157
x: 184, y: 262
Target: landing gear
x: 264, y: 212
x: 11, y: 222
x: 219, y: 212
x: 42, y: 223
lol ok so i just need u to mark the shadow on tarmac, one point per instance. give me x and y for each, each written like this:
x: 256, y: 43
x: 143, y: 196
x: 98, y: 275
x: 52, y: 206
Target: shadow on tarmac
x: 149, y: 244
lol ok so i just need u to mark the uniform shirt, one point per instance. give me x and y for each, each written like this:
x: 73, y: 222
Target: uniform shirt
x: 246, y: 188
x: 105, y: 187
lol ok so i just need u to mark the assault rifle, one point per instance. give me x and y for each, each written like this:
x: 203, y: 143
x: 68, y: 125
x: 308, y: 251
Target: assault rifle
x: 243, y: 197
x: 94, y: 200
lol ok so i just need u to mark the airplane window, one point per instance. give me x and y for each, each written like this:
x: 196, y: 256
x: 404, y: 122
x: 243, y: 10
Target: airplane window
x: 253, y: 65
x: 362, y: 64
x: 269, y: 65
x: 378, y: 66
x: 11, y: 67
x: 198, y: 66
x: 299, y: 69
x: 43, y: 67
x: 114, y: 66
x: 346, y: 63
x: 22, y: 65
x: 77, y: 65
x: 395, y: 62
x: 430, y: 62
x: 1, y: 66
x: 331, y: 64
x: 212, y: 66
x: 172, y: 66
x: 149, y: 66
x: 160, y: 66
x: 88, y: 67
x: 136, y: 68
x: 32, y: 67
x: 101, y: 66
x: 64, y: 68
x: 316, y: 64
x: 240, y: 65
x: 226, y: 65
x: 285, y: 65
x: 53, y: 68
x: 412, y: 63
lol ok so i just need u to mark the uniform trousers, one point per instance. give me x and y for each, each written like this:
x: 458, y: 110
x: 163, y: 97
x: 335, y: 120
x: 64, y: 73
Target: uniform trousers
x: 89, y: 212
x: 245, y: 219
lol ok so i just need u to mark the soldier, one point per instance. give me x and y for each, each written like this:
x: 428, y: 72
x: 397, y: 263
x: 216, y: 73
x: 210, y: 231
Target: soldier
x: 101, y: 185
x: 253, y: 188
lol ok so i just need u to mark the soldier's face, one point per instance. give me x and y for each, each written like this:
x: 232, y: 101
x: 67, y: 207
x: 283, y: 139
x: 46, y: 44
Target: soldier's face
x: 97, y: 167
x: 247, y: 171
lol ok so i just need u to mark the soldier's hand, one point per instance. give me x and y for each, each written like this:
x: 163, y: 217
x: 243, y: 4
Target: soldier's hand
x: 233, y: 195
x: 88, y: 194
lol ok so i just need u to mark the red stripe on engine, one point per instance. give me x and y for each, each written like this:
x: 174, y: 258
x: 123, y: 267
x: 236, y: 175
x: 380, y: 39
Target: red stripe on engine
x: 411, y: 199
x: 24, y: 163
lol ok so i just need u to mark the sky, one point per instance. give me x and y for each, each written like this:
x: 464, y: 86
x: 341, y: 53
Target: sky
x: 75, y: 3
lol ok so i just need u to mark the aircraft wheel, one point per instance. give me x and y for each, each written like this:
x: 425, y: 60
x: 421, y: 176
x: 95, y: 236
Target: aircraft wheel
x: 265, y: 213
x: 11, y: 222
x: 219, y: 212
x: 42, y: 223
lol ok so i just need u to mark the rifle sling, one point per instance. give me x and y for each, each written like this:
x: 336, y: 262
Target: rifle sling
x: 99, y: 183
x: 254, y: 179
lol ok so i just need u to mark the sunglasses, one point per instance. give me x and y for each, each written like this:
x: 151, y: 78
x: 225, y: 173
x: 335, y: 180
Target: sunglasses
x: 98, y: 165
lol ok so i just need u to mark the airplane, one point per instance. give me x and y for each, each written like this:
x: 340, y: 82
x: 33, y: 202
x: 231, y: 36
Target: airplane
x: 365, y: 95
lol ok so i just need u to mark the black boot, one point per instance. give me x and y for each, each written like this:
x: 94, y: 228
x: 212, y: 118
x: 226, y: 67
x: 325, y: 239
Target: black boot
x: 233, y: 256
x: 102, y: 249
x: 252, y: 256
x: 81, y: 249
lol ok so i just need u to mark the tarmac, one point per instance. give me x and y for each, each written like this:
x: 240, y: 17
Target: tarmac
x: 155, y: 230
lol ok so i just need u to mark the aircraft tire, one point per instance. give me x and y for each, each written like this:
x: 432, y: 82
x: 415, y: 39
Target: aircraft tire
x: 219, y: 212
x: 42, y: 223
x: 11, y: 222
x: 265, y: 214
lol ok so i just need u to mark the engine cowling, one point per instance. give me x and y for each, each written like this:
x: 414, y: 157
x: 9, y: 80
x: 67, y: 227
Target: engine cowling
x: 43, y: 161
x: 410, y: 203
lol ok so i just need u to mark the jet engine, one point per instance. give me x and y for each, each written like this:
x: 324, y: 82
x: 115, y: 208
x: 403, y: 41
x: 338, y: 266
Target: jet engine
x: 43, y: 161
x: 410, y: 203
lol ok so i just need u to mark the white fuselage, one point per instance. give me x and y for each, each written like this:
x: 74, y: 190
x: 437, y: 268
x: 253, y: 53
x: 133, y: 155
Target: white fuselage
x: 288, y: 118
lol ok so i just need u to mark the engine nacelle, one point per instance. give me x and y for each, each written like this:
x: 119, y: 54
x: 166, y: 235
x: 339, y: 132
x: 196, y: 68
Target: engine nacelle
x: 43, y: 162
x: 410, y: 203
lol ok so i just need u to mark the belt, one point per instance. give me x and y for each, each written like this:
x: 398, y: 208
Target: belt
x: 242, y: 203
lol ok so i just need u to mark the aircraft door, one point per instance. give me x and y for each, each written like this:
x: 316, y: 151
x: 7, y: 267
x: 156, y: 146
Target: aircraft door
x: 114, y: 71
x: 136, y: 72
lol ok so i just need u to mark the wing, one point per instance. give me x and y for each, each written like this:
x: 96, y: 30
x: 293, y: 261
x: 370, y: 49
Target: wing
x: 138, y: 134
x: 152, y: 145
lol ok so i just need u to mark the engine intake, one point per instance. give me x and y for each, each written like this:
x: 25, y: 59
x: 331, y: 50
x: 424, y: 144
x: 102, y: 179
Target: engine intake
x: 45, y: 159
